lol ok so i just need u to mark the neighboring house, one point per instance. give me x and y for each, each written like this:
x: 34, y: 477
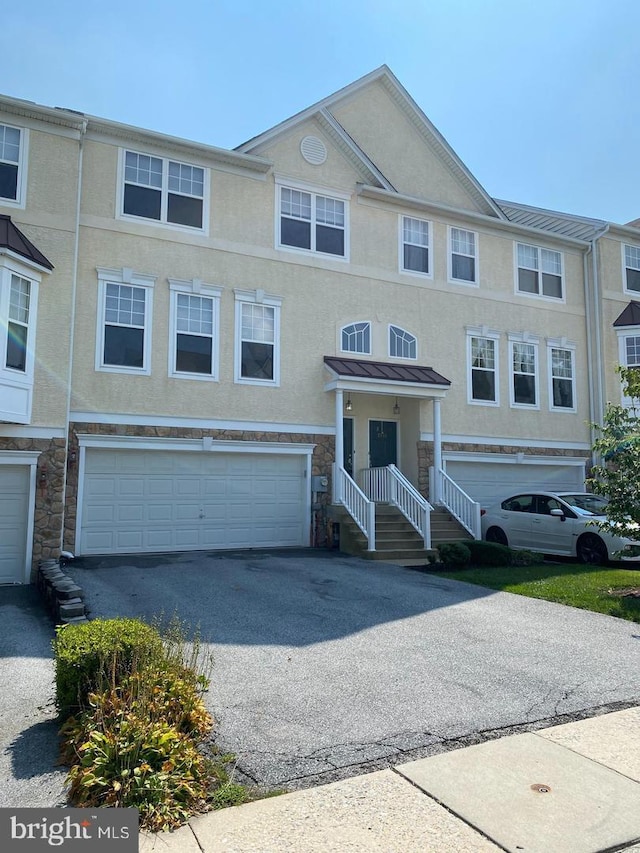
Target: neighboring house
x: 190, y: 336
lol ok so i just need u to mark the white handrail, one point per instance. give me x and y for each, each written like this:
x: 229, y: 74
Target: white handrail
x: 389, y: 485
x: 457, y: 501
x: 362, y: 510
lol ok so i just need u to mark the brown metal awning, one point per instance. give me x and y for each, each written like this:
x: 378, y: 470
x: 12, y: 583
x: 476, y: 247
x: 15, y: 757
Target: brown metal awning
x: 382, y: 371
x: 630, y: 316
x: 13, y: 239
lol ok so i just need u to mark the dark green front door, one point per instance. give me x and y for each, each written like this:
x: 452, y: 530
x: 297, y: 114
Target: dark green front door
x: 347, y: 444
x: 383, y: 443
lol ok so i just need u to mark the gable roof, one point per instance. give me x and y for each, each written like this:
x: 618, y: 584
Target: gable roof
x: 14, y: 240
x: 630, y: 316
x: 430, y: 135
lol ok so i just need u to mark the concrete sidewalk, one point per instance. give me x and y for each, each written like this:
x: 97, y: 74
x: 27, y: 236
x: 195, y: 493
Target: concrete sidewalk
x: 573, y: 788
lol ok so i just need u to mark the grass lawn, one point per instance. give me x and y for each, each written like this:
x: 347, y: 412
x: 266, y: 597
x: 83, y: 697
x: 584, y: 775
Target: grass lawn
x: 588, y: 587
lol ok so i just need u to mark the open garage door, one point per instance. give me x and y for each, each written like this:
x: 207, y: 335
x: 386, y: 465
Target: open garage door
x: 488, y: 481
x: 137, y: 501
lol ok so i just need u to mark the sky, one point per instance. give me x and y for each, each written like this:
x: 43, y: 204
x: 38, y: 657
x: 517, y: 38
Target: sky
x: 538, y: 98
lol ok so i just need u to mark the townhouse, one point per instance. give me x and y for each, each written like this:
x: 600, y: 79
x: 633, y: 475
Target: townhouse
x: 204, y: 348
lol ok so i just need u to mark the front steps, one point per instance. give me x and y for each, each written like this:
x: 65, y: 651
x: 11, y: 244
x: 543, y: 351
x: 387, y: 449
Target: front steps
x: 396, y: 540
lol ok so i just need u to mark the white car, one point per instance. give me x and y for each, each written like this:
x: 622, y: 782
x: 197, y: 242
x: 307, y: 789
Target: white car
x: 556, y: 523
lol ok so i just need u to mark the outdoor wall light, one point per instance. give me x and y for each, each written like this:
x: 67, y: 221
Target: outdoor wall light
x: 348, y: 406
x: 396, y: 408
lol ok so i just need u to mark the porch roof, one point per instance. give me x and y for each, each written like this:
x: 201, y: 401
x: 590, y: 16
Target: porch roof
x: 13, y: 240
x: 384, y: 372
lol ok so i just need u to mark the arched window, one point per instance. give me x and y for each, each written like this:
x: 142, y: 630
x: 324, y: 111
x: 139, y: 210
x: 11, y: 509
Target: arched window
x: 402, y: 344
x: 356, y: 337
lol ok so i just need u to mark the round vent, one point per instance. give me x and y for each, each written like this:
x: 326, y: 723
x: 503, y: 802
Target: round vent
x: 313, y: 150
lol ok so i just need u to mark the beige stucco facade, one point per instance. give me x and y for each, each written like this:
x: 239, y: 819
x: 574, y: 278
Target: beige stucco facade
x: 383, y: 162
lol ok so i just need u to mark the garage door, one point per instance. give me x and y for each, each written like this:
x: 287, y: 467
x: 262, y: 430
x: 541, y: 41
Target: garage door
x: 488, y: 482
x: 14, y: 513
x: 145, y: 501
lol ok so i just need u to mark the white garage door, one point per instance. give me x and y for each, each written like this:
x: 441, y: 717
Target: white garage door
x: 14, y: 513
x: 488, y: 482
x: 145, y: 501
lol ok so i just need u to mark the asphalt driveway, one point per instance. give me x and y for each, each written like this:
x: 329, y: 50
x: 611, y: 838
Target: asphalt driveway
x: 326, y: 663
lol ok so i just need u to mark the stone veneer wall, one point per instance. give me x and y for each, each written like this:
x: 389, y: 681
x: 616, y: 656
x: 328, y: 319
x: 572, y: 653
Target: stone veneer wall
x: 47, y: 532
x: 425, y: 455
x: 321, y: 461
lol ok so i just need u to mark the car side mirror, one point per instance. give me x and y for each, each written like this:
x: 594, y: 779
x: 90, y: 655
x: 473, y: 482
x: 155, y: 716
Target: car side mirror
x: 558, y: 513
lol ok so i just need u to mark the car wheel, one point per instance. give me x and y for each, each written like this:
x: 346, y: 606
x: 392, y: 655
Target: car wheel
x: 591, y: 549
x: 496, y: 534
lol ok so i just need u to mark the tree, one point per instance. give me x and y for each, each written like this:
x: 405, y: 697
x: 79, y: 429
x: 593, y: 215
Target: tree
x: 617, y: 445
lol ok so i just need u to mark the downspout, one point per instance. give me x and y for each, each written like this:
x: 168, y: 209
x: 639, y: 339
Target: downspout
x: 74, y: 288
x: 590, y: 359
x: 597, y: 318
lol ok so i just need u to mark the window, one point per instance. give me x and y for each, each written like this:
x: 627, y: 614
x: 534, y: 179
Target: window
x: 18, y: 325
x: 629, y: 356
x: 539, y: 271
x: 257, y: 338
x: 314, y: 222
x: 632, y: 268
x: 356, y: 338
x: 462, y: 256
x: 482, y: 366
x: 402, y: 344
x: 124, y: 321
x: 561, y: 361
x: 194, y: 330
x: 163, y: 190
x: 12, y: 164
x: 18, y: 303
x: 524, y: 373
x: 415, y: 245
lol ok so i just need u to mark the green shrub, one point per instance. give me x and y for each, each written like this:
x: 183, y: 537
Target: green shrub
x: 127, y: 754
x: 92, y: 655
x: 454, y: 555
x: 489, y: 553
x: 526, y: 558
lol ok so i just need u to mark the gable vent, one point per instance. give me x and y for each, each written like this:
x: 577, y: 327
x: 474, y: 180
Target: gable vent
x: 313, y: 150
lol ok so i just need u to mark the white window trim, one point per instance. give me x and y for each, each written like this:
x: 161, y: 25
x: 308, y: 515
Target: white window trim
x: 491, y: 334
x: 635, y: 293
x: 553, y: 299
x: 282, y: 181
x: 524, y: 338
x: 162, y: 222
x: 623, y: 334
x: 400, y: 357
x: 350, y: 352
x: 23, y: 159
x: 259, y: 297
x: 20, y: 381
x: 194, y: 287
x: 125, y: 275
x: 570, y: 346
x: 450, y: 278
x: 401, y: 266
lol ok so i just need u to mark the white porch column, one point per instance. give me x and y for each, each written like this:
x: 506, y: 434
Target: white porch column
x: 437, y: 450
x: 339, y: 460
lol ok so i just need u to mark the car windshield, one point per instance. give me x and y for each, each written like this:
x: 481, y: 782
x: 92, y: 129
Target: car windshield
x: 586, y: 504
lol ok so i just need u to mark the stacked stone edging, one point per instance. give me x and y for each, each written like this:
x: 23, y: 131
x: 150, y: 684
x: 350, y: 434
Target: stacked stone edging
x: 62, y: 595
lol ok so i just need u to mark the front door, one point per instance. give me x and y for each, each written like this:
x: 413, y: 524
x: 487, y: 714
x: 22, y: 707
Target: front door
x: 347, y: 445
x: 383, y: 443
